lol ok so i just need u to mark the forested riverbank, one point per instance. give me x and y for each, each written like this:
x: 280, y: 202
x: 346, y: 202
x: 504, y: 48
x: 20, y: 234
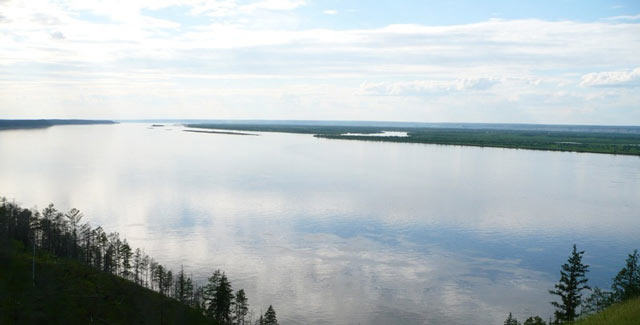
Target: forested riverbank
x: 42, y: 123
x: 575, y: 141
x: 58, y: 268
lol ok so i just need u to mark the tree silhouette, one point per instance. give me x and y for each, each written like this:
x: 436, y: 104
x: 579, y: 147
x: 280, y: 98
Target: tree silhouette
x: 270, y: 317
x: 535, y: 320
x: 218, y: 297
x: 626, y: 284
x: 572, y: 283
x: 64, y: 235
x: 240, y: 308
x: 511, y: 320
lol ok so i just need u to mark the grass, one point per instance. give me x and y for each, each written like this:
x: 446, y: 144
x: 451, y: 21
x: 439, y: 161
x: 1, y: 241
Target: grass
x: 623, y: 313
x: 594, y: 142
x: 66, y: 292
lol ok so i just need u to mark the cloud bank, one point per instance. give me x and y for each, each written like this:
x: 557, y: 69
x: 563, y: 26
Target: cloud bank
x: 231, y: 59
x: 612, y: 79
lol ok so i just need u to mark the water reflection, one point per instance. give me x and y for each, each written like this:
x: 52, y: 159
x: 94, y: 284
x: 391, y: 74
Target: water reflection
x: 336, y: 231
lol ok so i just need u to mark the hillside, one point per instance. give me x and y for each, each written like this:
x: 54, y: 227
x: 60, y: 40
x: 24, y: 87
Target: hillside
x: 67, y: 292
x: 624, y: 313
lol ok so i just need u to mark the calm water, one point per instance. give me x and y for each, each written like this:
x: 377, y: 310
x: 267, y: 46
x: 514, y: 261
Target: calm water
x: 336, y: 231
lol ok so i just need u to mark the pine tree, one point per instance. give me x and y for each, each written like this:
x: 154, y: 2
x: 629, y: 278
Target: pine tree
x: 511, y: 320
x: 125, y: 258
x: 183, y: 291
x: 209, y: 293
x: 535, y: 320
x: 572, y: 283
x: 74, y: 216
x: 222, y: 300
x: 626, y: 284
x: 219, y: 296
x: 240, y: 308
x: 270, y: 317
x: 137, y: 266
x: 598, y: 301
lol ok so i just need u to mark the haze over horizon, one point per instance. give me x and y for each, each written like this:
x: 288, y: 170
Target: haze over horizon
x: 548, y: 62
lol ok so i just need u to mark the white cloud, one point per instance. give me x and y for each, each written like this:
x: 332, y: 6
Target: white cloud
x: 330, y: 12
x: 425, y: 87
x: 625, y: 17
x: 275, y: 5
x: 612, y: 79
x: 113, y: 49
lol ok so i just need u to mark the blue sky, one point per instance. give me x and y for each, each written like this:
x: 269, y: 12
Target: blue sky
x: 570, y: 62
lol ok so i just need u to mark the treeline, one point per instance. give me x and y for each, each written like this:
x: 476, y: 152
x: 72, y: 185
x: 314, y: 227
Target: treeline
x: 64, y: 235
x: 21, y: 124
x: 573, y: 281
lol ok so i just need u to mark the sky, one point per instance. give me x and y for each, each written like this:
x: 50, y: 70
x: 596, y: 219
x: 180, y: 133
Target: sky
x: 555, y: 62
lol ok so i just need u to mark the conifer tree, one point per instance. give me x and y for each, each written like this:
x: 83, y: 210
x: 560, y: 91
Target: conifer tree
x: 209, y: 293
x: 125, y: 258
x: 218, y: 297
x: 270, y: 317
x: 223, y: 300
x: 240, y: 308
x: 74, y: 216
x: 626, y: 284
x: 511, y: 320
x: 535, y: 320
x: 183, y: 291
x: 572, y: 283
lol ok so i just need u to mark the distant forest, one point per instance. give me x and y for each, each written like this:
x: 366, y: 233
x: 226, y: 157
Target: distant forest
x: 65, y: 238
x: 22, y: 124
x: 609, y: 140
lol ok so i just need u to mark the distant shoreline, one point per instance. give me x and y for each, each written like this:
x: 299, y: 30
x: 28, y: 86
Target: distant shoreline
x: 44, y: 123
x: 220, y: 132
x: 570, y: 141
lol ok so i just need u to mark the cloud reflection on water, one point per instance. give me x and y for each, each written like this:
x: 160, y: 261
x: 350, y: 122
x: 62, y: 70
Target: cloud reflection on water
x: 341, y: 231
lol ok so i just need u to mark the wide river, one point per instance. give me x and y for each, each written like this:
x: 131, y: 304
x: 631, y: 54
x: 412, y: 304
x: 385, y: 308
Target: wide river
x: 338, y: 231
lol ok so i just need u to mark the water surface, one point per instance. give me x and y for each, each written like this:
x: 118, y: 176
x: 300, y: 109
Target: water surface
x: 334, y: 231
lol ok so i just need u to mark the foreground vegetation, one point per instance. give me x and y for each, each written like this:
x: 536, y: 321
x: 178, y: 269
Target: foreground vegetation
x: 67, y: 292
x: 595, y: 142
x: 56, y: 269
x: 622, y: 313
x: 621, y: 305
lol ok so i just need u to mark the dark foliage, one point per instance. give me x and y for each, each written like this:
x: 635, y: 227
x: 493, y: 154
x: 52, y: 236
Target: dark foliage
x: 57, y: 268
x: 270, y: 317
x: 572, y: 283
x: 534, y: 320
x: 626, y: 284
x: 511, y: 320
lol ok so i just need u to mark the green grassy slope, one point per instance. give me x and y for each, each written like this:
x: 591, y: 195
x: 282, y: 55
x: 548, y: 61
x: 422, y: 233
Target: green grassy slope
x: 67, y: 292
x: 624, y: 313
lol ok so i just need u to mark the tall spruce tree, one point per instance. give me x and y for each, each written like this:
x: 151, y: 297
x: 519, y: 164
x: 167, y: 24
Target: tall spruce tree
x: 209, y: 293
x: 572, y: 283
x: 219, y: 296
x: 270, y: 317
x: 626, y: 284
x: 223, y: 300
x: 240, y: 308
x: 511, y: 320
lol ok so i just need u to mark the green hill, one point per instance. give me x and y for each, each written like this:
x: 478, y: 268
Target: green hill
x: 67, y: 292
x: 622, y: 313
